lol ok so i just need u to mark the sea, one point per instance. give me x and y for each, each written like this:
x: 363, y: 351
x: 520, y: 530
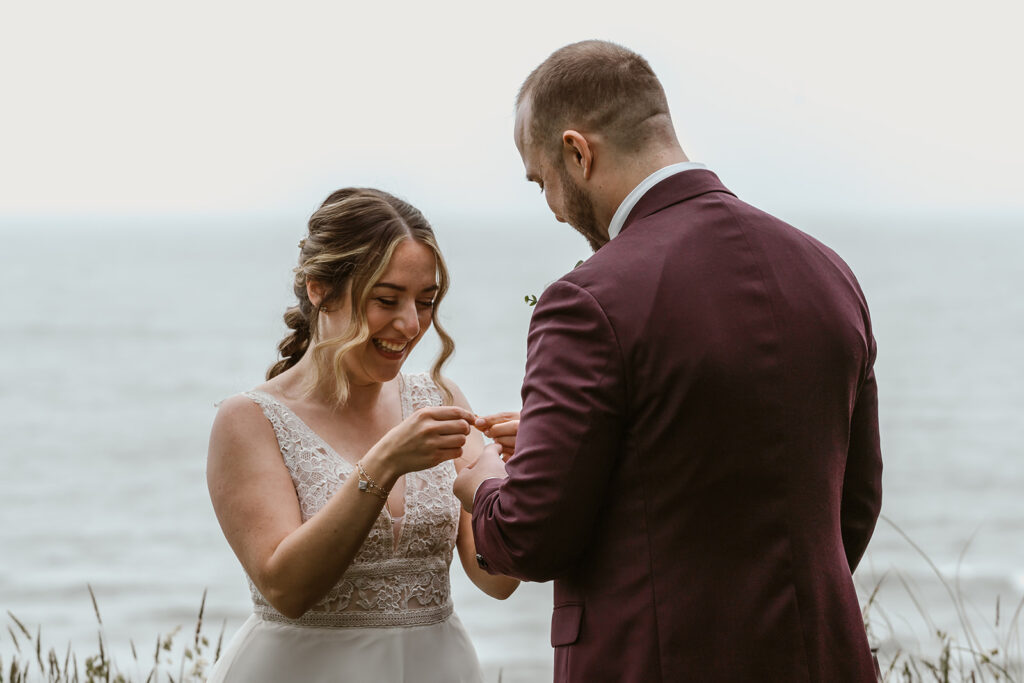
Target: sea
x: 120, y: 336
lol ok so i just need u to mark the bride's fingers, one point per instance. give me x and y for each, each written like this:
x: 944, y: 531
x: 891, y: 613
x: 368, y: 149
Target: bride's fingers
x: 448, y: 441
x: 488, y: 421
x: 444, y: 413
x: 510, y: 428
x: 452, y: 427
x: 506, y: 443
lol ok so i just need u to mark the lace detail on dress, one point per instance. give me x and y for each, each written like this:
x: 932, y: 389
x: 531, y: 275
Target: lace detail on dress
x: 387, y: 584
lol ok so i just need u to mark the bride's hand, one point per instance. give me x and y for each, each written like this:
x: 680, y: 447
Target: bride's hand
x: 426, y: 438
x: 502, y: 428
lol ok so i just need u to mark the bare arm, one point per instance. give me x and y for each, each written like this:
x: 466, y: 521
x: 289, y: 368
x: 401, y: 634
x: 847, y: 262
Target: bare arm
x: 294, y: 564
x: 496, y: 586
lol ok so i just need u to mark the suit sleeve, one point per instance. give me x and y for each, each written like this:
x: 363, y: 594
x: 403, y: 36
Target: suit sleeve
x: 862, y: 483
x: 536, y: 523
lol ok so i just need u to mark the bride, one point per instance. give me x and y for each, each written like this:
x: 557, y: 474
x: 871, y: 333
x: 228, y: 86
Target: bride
x: 332, y: 481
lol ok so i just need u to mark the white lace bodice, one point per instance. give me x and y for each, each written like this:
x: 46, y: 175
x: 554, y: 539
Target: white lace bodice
x: 389, y: 583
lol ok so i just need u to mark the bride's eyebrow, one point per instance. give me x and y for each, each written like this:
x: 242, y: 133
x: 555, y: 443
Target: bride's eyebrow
x: 400, y: 288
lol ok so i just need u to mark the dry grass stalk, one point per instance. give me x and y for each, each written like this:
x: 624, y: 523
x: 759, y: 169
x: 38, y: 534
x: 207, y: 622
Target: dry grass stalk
x: 956, y: 662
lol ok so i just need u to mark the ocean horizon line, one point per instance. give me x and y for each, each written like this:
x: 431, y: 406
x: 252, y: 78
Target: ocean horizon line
x: 803, y: 216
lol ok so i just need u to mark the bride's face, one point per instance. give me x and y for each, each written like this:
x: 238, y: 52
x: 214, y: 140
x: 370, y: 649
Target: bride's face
x: 398, y: 313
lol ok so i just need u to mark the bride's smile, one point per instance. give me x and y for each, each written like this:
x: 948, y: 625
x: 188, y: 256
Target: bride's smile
x: 399, y: 311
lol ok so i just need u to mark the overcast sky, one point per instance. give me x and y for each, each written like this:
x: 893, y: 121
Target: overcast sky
x: 135, y: 107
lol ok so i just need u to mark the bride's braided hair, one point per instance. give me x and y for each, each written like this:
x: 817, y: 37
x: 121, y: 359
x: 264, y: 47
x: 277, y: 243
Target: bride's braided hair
x: 351, y: 239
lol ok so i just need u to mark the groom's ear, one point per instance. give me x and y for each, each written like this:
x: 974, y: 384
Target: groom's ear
x: 577, y: 154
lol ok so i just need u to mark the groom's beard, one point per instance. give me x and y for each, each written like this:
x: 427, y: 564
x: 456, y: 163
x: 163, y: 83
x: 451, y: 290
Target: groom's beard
x: 579, y: 211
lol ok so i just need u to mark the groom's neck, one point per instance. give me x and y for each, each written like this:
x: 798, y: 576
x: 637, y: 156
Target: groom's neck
x: 626, y: 171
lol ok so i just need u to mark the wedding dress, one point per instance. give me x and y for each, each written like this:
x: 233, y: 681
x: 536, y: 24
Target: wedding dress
x: 389, y: 619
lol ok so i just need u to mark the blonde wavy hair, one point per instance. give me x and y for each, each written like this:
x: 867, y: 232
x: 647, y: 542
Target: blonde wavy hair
x: 351, y: 240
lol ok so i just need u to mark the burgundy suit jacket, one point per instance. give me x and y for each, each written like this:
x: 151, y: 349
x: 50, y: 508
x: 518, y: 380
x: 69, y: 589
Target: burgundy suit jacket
x: 698, y: 465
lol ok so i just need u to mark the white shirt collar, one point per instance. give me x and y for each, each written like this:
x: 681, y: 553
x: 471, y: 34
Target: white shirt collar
x: 640, y: 190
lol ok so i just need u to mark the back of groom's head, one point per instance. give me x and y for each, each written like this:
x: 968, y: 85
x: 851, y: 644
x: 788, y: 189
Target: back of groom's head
x: 595, y: 86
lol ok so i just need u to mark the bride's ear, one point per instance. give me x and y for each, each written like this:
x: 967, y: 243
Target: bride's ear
x: 316, y: 292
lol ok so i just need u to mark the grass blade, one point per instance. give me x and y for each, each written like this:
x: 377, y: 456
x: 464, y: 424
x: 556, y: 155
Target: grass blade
x: 21, y: 626
x: 199, y: 622
x: 95, y: 607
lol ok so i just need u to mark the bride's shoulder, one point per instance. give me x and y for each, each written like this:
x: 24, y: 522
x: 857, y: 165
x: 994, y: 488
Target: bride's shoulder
x: 241, y: 413
x: 237, y: 403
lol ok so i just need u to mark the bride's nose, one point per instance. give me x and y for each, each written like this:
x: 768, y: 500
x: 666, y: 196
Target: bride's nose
x: 407, y: 322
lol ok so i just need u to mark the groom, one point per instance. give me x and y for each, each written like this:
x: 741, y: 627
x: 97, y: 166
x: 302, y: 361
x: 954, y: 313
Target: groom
x: 697, y: 466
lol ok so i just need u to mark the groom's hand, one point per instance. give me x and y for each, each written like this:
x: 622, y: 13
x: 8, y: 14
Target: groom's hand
x: 502, y: 427
x: 488, y: 466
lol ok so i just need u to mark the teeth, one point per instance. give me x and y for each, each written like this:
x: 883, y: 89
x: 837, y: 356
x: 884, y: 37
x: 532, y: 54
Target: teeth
x: 389, y: 346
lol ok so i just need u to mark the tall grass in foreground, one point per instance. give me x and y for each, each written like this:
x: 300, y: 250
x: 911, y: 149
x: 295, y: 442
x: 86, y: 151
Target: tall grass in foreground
x: 170, y: 662
x: 968, y: 654
x: 964, y: 655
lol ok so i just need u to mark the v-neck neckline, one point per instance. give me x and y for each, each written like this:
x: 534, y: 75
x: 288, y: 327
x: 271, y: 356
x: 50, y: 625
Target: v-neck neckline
x: 396, y: 540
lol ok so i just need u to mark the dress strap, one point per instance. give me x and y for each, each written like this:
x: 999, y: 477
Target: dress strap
x: 288, y: 428
x: 262, y: 399
x: 274, y: 410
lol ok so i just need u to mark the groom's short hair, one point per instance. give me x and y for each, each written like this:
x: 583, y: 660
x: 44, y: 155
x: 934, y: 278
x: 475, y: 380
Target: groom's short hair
x: 593, y: 85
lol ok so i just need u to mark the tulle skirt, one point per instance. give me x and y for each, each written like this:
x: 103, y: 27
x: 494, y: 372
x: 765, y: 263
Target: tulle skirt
x: 271, y: 652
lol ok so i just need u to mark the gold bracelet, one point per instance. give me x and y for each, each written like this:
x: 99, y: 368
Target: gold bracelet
x: 368, y: 485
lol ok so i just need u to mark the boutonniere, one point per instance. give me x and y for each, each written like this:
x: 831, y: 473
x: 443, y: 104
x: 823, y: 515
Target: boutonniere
x: 531, y: 299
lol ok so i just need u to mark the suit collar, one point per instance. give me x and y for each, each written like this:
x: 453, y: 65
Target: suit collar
x: 619, y: 219
x: 674, y: 189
